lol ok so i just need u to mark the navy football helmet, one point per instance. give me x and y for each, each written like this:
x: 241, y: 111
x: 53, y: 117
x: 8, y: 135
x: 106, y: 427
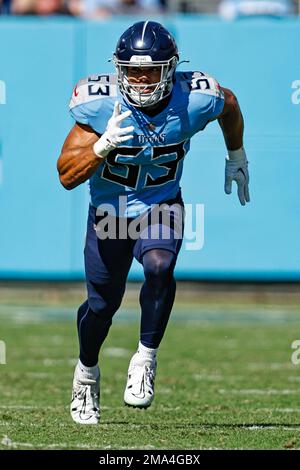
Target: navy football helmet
x: 146, y: 44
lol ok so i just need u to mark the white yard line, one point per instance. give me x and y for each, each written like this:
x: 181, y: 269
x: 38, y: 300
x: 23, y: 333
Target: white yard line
x: 7, y: 442
x: 255, y: 427
x: 254, y: 391
x: 66, y: 408
x: 30, y: 407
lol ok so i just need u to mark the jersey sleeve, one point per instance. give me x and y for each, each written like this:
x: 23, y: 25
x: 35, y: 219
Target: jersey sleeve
x: 208, y: 98
x: 91, y: 97
x: 214, y: 106
x: 77, y: 105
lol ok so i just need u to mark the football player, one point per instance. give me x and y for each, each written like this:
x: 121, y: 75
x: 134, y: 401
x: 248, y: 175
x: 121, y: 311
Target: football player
x: 131, y: 135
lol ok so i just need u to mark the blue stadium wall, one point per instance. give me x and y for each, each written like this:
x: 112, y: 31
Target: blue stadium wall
x: 43, y: 225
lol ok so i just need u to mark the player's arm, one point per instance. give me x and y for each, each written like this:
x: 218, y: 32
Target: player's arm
x: 83, y: 151
x: 236, y: 168
x: 231, y: 121
x: 78, y: 161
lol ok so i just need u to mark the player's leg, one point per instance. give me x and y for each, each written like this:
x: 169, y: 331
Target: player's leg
x: 157, y: 295
x: 107, y: 263
x: 95, y: 317
x: 156, y: 300
x: 158, y: 256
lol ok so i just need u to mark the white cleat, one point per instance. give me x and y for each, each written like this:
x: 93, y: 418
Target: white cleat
x: 85, y: 399
x: 139, y: 391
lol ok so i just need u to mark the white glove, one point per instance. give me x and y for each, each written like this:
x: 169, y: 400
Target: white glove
x: 236, y: 169
x: 114, y: 134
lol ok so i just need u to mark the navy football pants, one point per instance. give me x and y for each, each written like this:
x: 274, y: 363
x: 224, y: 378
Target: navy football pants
x: 107, y: 263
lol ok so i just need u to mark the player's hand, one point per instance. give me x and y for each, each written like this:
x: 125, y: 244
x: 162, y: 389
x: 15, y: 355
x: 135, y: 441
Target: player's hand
x: 236, y: 169
x: 114, y: 134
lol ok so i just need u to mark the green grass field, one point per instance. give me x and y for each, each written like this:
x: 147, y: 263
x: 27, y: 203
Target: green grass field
x: 225, y: 378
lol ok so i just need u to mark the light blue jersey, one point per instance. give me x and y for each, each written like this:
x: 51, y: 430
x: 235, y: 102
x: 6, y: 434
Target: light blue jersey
x: 147, y: 170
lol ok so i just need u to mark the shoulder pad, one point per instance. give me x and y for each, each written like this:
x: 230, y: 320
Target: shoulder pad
x: 93, y: 88
x: 200, y: 82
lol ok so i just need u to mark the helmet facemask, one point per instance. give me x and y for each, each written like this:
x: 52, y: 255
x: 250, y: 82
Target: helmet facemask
x: 134, y: 93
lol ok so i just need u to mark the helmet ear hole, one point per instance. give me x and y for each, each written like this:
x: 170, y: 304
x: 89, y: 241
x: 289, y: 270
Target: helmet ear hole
x: 146, y: 44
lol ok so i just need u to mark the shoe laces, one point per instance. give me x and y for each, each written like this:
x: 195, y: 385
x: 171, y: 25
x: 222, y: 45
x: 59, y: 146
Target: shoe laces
x: 149, y: 375
x: 84, y: 391
x: 139, y: 371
